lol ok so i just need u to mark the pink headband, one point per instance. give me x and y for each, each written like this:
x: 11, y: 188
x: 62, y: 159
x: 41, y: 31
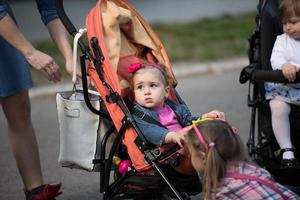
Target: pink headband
x: 136, y: 66
x: 199, y: 134
x: 212, y: 144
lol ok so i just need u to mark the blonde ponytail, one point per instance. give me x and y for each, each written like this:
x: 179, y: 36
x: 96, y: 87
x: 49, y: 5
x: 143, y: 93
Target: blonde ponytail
x: 227, y: 148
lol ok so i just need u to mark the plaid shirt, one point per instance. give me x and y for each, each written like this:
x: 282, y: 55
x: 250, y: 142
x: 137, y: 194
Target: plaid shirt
x: 236, y: 189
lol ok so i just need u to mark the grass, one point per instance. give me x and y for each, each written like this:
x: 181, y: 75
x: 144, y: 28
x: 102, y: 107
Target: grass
x: 201, y: 40
x: 207, y: 39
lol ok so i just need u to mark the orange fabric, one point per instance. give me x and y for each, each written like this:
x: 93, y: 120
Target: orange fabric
x: 122, y: 32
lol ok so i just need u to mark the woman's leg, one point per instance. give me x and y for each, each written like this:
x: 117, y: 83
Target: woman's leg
x: 281, y: 125
x: 22, y: 138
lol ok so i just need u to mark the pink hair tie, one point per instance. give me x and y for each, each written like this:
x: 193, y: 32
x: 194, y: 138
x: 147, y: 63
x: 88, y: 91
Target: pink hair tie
x: 212, y: 144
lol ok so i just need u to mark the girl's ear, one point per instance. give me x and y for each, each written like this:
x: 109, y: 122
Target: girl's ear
x: 167, y: 89
x: 202, y: 155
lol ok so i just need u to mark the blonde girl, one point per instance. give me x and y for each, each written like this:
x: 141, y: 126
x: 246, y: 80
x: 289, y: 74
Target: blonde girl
x: 219, y: 156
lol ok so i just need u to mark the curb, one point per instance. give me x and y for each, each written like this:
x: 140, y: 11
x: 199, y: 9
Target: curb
x: 187, y: 69
x: 180, y: 70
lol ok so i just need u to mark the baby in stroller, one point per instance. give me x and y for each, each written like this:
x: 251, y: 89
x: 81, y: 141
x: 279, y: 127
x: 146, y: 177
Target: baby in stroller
x: 161, y: 120
x: 119, y: 37
x: 151, y: 90
x: 285, y: 57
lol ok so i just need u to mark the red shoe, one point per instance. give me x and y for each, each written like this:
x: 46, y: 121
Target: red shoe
x: 44, y: 192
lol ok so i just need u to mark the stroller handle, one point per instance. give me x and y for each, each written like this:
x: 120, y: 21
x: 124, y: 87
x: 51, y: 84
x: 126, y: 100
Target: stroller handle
x: 259, y: 75
x: 64, y: 18
x: 275, y: 76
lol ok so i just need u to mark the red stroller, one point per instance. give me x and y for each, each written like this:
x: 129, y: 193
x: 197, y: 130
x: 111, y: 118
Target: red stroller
x: 117, y: 36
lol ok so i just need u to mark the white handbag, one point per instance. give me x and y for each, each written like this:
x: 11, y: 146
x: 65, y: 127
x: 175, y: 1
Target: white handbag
x: 78, y: 126
x: 79, y: 130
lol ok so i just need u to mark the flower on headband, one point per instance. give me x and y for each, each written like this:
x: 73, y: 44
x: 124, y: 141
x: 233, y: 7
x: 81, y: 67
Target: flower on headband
x: 134, y: 67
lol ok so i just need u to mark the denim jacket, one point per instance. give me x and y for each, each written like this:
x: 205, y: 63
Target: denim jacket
x: 155, y: 133
x: 46, y: 8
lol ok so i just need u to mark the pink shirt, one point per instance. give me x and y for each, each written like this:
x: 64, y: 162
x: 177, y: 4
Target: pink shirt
x: 168, y: 118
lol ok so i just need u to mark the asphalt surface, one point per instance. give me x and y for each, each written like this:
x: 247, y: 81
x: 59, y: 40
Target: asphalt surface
x: 202, y: 91
x: 204, y: 86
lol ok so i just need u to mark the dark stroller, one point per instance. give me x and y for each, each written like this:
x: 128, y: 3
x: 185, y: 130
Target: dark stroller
x: 106, y: 69
x: 263, y: 147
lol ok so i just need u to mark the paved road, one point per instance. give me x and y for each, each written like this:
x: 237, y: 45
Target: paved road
x: 201, y: 93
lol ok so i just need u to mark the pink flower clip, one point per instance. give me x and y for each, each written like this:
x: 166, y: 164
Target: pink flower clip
x: 134, y: 67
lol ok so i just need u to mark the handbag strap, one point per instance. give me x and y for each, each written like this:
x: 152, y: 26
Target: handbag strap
x: 270, y: 185
x: 75, y: 44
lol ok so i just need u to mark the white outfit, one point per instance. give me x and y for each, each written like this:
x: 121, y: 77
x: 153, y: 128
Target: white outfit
x: 285, y: 50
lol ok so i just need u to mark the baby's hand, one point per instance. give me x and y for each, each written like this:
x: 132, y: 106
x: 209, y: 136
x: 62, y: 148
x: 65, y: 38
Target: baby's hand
x: 176, y: 137
x: 215, y: 114
x: 289, y: 72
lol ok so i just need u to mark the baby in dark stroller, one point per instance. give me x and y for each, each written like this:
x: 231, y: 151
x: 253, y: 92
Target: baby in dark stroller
x: 285, y: 57
x: 274, y: 90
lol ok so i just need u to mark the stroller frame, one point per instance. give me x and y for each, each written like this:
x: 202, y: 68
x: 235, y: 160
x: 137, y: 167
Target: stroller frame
x: 261, y: 146
x: 107, y: 189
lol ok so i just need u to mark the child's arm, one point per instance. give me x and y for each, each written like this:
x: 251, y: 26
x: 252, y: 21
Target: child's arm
x: 279, y: 53
x: 176, y: 137
x: 279, y: 58
x: 214, y: 114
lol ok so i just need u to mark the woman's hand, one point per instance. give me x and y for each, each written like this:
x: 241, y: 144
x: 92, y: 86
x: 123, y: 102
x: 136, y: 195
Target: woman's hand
x: 289, y: 72
x: 69, y: 68
x: 37, y: 59
x: 44, y: 63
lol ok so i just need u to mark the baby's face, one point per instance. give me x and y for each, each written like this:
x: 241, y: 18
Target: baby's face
x: 149, y: 89
x: 291, y: 27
